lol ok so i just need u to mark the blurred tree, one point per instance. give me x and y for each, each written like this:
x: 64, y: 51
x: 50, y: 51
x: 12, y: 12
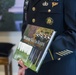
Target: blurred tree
x: 5, y: 5
x: 7, y: 22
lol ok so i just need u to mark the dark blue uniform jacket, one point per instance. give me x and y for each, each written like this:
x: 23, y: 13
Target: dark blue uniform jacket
x: 61, y: 16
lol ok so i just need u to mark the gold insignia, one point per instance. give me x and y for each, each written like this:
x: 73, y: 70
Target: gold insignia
x: 64, y: 52
x: 54, y: 4
x: 45, y: 3
x: 49, y: 21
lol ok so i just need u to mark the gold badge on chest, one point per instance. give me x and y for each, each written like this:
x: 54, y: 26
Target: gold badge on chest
x: 49, y: 20
x: 54, y: 4
x: 45, y: 3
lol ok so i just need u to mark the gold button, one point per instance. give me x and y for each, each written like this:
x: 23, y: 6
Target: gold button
x: 33, y: 8
x: 49, y: 10
x: 59, y: 58
x: 33, y: 20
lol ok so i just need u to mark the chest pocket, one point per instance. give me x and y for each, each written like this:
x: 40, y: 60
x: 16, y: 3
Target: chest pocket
x: 50, y: 7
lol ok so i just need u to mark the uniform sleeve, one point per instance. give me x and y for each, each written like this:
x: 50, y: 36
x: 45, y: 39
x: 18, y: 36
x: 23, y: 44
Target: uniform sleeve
x: 65, y: 44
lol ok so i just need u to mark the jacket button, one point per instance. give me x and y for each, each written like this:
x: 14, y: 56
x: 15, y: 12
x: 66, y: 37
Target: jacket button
x: 33, y: 20
x: 33, y: 8
x: 59, y: 58
x: 49, y: 10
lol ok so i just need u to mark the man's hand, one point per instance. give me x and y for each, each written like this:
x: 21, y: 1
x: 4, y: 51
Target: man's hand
x: 22, y: 69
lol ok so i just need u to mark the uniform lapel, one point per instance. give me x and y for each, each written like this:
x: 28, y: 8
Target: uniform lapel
x: 35, y: 2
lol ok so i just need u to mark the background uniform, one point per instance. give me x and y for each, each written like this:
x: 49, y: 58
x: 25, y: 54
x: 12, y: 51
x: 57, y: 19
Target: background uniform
x: 61, y: 16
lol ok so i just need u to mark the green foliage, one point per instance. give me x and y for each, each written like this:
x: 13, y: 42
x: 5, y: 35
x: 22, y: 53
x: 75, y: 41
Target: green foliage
x: 5, y: 5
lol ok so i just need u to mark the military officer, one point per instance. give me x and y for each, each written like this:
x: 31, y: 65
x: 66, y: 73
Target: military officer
x: 61, y: 16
